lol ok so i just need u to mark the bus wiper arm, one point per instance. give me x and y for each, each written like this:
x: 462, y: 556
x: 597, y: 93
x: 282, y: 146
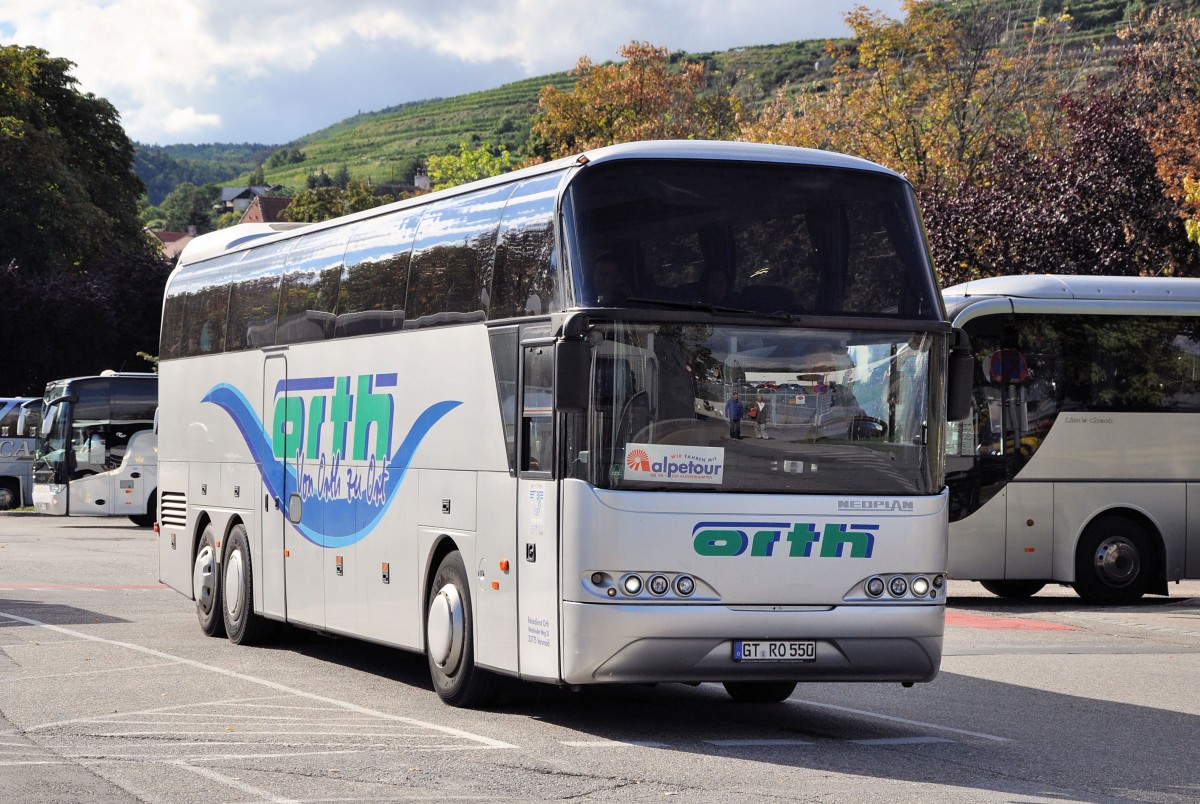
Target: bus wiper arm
x: 705, y: 307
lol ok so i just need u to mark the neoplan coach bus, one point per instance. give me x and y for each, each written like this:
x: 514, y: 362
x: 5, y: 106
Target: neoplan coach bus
x: 1081, y: 462
x: 490, y: 424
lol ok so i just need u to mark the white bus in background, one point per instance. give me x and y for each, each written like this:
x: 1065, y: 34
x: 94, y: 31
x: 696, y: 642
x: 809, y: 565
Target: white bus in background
x: 19, y: 417
x: 438, y: 425
x: 1081, y: 462
x: 96, y: 452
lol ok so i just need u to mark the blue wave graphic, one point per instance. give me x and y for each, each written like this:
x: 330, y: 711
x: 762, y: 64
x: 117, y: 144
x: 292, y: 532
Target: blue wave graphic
x: 337, y: 521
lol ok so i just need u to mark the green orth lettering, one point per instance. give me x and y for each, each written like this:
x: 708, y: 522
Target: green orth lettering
x: 720, y: 542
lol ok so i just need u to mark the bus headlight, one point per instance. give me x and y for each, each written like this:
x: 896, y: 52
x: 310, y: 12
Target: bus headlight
x: 898, y: 585
x: 920, y: 586
x: 632, y: 584
x: 658, y: 585
x: 685, y: 585
x: 875, y: 586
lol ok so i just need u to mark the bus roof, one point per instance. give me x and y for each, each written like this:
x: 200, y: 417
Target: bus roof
x: 243, y: 235
x: 1092, y: 288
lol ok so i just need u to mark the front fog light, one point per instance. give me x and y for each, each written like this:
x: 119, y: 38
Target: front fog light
x: 632, y: 584
x: 898, y: 586
x: 875, y: 586
x: 920, y: 586
x: 685, y: 585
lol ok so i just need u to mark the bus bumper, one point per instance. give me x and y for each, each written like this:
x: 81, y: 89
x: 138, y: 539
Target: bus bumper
x: 648, y: 644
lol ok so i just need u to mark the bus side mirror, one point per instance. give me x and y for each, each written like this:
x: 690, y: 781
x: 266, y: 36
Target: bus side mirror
x: 572, y: 371
x: 960, y: 375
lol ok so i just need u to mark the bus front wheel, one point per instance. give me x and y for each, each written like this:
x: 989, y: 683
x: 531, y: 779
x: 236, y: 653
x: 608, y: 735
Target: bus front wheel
x: 1112, y: 561
x: 760, y: 691
x: 8, y: 496
x: 449, y: 640
x: 146, y: 520
x: 206, y: 586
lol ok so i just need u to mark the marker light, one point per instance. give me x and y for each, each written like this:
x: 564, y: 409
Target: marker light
x: 898, y: 586
x: 938, y: 580
x: 597, y: 578
x: 658, y: 585
x: 920, y: 586
x: 632, y: 584
x: 875, y: 586
x: 685, y: 585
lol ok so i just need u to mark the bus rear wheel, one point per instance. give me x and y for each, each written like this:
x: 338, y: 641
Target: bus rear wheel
x: 1112, y: 561
x: 242, y: 625
x: 8, y: 496
x: 449, y: 638
x: 1013, y: 590
x: 206, y: 585
x: 760, y: 691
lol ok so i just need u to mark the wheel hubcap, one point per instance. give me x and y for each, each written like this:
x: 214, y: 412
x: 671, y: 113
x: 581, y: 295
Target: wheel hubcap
x: 1117, y: 561
x: 444, y: 632
x: 234, y: 571
x: 204, y: 582
x: 6, y: 498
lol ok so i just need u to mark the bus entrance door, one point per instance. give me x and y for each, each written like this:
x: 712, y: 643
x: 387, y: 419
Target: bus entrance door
x: 275, y: 563
x: 537, y: 520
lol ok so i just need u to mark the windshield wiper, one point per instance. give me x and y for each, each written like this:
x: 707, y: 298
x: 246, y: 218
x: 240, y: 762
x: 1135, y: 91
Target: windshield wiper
x: 707, y: 308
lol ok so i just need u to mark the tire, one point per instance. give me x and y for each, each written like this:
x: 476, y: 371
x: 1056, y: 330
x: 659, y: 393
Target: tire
x: 206, y: 584
x: 242, y: 625
x: 760, y: 691
x: 1113, y: 561
x: 8, y: 497
x: 1013, y: 590
x: 147, y: 519
x: 449, y: 639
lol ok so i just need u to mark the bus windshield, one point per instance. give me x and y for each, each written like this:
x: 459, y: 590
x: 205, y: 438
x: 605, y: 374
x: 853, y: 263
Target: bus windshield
x: 745, y: 409
x: 769, y: 239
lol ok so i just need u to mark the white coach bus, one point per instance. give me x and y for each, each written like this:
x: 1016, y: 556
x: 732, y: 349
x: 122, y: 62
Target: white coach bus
x: 1081, y: 462
x: 488, y: 424
x: 96, y: 452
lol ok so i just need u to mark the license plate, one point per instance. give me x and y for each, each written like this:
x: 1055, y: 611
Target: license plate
x: 768, y: 650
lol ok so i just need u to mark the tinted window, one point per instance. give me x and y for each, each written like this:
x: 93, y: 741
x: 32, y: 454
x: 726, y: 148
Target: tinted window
x: 308, y: 299
x: 452, y: 258
x: 254, y: 298
x: 371, y: 295
x: 768, y: 238
x: 524, y: 282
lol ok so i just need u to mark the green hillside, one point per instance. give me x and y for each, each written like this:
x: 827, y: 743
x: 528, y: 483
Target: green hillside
x: 388, y: 145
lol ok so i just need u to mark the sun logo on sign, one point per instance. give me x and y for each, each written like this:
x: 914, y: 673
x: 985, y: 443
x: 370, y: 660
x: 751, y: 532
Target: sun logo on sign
x: 638, y: 460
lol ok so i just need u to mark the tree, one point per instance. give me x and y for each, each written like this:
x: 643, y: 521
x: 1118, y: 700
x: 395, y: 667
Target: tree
x: 189, y: 205
x: 467, y: 165
x: 66, y: 167
x: 322, y: 203
x: 1094, y: 205
x: 644, y: 97
x: 931, y: 96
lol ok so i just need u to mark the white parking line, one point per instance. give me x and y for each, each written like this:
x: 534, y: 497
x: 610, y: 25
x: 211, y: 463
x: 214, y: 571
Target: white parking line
x: 906, y: 721
x: 486, y: 742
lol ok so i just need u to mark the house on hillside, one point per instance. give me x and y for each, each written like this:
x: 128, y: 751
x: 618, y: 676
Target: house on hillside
x: 265, y: 209
x: 173, y: 242
x: 238, y: 199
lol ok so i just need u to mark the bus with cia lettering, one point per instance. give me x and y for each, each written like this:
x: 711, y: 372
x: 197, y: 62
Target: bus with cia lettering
x: 660, y: 412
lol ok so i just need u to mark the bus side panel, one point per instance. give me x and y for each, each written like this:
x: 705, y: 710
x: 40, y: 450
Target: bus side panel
x: 1193, y: 531
x: 175, y: 529
x: 497, y: 567
x: 390, y: 567
x: 1078, y: 504
x: 1029, y: 536
x: 977, y: 543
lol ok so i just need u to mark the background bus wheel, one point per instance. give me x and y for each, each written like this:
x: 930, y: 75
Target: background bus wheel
x: 1112, y: 561
x: 147, y: 519
x: 449, y: 644
x: 760, y: 691
x: 8, y: 497
x: 242, y: 625
x: 1015, y: 590
x: 206, y: 587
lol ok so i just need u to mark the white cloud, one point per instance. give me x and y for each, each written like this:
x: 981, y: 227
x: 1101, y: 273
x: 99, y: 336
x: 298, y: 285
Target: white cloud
x: 273, y: 70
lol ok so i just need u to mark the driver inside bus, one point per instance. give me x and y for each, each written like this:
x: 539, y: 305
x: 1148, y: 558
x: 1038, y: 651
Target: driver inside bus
x: 610, y: 284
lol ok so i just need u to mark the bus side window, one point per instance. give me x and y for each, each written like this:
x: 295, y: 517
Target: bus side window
x: 524, y: 280
x: 375, y: 278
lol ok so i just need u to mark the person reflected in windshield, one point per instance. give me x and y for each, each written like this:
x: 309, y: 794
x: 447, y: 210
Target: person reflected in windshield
x: 734, y: 411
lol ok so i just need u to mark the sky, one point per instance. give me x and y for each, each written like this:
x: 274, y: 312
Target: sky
x: 270, y: 71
